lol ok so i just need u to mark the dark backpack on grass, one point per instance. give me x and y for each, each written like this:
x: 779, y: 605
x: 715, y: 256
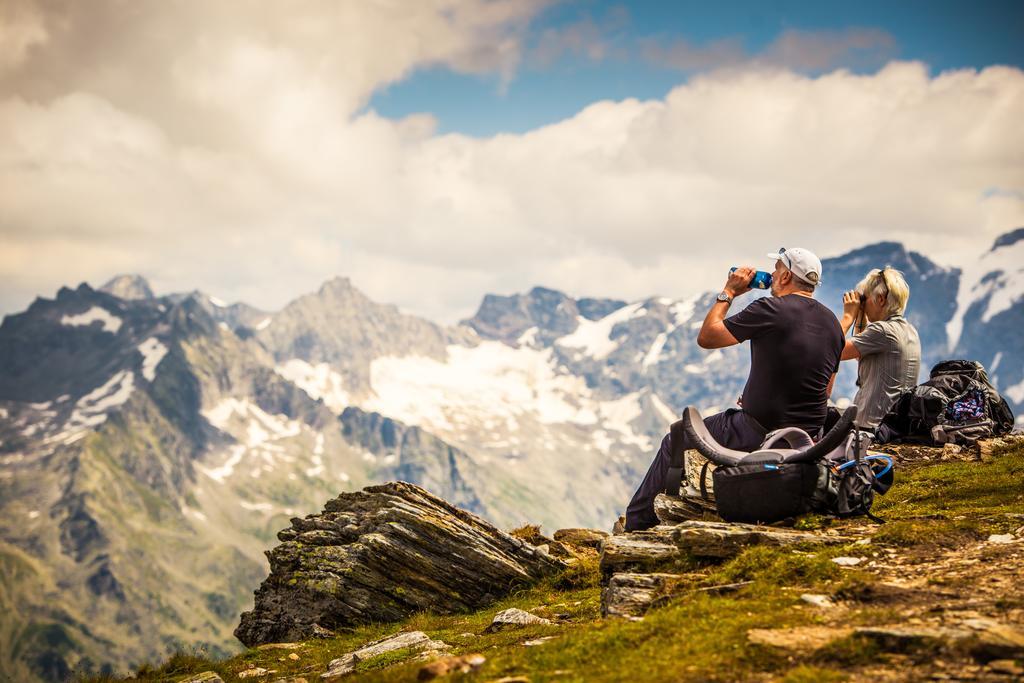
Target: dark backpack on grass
x: 958, y: 404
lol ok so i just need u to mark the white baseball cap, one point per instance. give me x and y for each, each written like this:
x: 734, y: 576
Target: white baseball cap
x: 803, y: 263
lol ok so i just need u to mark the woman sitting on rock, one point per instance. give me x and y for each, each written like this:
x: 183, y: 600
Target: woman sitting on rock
x: 886, y: 344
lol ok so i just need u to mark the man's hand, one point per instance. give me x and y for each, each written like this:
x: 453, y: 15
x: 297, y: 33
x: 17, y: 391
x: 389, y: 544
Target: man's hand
x: 739, y: 281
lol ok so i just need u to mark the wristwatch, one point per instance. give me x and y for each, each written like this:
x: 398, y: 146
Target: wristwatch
x: 722, y: 296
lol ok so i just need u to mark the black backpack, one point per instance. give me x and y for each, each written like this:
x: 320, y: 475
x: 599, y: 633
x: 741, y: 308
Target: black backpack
x: 958, y: 404
x: 835, y: 476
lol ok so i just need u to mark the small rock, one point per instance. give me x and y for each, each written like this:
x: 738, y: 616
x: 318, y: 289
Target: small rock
x: 537, y: 641
x: 468, y: 635
x: 514, y: 618
x: 320, y: 632
x: 1001, y: 538
x: 255, y: 672
x: 1006, y: 666
x: 511, y: 679
x: 448, y: 665
x: 297, y: 679
x: 293, y: 656
x: 848, y: 561
x: 205, y: 677
x: 863, y: 541
x: 822, y: 601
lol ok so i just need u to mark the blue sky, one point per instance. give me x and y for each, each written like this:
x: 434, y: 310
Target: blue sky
x: 547, y: 87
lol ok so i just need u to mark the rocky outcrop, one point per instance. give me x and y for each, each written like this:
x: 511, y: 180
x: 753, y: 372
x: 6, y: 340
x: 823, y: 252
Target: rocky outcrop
x: 381, y: 554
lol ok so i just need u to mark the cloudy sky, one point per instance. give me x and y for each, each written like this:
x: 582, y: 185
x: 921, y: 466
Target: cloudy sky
x: 435, y: 151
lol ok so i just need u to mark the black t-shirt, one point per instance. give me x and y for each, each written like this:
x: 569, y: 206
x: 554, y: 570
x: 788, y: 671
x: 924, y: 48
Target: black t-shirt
x: 795, y: 348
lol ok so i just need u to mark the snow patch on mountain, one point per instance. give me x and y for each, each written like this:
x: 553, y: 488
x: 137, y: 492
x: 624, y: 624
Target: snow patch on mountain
x: 111, y: 323
x: 474, y: 384
x: 593, y: 337
x: 997, y: 279
x: 319, y: 381
x: 498, y: 388
x: 663, y: 410
x: 1016, y: 392
x: 260, y: 427
x: 152, y: 353
x: 655, y: 351
x: 263, y: 324
x: 219, y: 474
x: 90, y: 410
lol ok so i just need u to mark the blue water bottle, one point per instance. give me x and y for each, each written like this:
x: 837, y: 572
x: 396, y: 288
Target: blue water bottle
x: 761, y: 279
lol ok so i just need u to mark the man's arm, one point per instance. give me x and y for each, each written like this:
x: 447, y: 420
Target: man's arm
x: 713, y: 333
x: 831, y: 384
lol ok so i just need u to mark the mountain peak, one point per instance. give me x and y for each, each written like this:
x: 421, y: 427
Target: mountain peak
x: 128, y: 286
x: 1008, y: 239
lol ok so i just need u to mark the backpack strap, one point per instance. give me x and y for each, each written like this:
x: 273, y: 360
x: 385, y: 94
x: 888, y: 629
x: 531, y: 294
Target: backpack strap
x: 674, y: 478
x: 703, y: 480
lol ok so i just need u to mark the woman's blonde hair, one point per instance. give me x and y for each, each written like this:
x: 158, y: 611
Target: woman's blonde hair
x: 887, y: 282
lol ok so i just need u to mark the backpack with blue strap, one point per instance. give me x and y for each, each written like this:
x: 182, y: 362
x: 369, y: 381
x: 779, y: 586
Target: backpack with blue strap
x: 789, y: 474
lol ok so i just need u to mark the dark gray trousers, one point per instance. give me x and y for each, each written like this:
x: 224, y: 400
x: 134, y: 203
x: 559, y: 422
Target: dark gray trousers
x: 733, y: 429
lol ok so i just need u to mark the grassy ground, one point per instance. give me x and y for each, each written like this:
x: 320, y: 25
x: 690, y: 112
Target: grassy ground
x: 932, y: 511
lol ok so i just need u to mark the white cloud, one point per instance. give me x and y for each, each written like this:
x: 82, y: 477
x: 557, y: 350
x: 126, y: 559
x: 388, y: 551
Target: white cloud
x: 238, y: 158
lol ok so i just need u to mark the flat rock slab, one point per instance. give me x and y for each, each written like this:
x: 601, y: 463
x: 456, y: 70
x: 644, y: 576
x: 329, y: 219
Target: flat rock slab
x: 682, y: 508
x: 704, y: 539
x: 630, y: 595
x: 382, y: 554
x: 986, y: 639
x: 638, y: 550
x: 723, y: 540
x: 414, y: 640
x: 514, y: 618
x: 800, y: 639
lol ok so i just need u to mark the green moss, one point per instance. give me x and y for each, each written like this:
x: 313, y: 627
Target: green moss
x: 972, y: 489
x: 776, y: 567
x: 813, y: 674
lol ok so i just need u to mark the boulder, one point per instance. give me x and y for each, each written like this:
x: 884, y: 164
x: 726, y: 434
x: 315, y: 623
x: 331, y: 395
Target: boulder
x: 514, y: 618
x: 382, y: 554
x: 629, y: 595
x: 417, y: 641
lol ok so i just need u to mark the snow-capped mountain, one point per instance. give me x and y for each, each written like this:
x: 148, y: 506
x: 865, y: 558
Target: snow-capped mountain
x: 151, y: 446
x: 989, y: 317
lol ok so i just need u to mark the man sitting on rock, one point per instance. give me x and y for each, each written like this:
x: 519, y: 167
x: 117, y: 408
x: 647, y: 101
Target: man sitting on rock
x: 795, y: 346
